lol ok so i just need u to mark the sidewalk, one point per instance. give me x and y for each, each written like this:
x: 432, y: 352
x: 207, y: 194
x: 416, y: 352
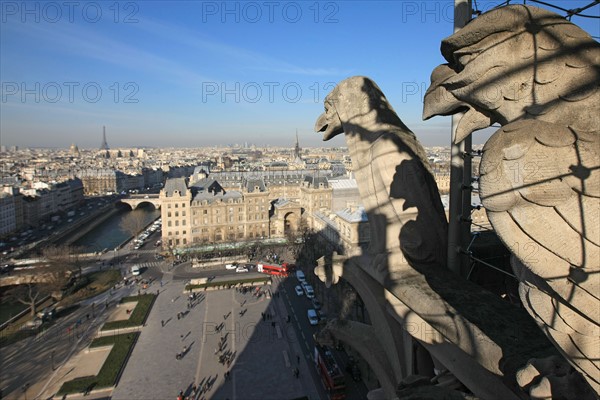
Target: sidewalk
x: 258, y: 350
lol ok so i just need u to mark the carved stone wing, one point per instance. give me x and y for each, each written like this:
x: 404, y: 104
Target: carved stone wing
x: 540, y: 183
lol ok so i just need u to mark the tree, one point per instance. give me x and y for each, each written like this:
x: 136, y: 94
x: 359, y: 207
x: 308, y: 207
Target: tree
x: 60, y: 266
x: 133, y: 223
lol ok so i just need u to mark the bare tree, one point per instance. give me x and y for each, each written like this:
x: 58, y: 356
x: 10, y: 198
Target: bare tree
x: 59, y: 267
x: 30, y: 291
x: 133, y: 223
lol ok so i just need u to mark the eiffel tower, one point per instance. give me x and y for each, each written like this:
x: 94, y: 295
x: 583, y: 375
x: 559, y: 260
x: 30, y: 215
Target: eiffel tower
x: 104, y: 145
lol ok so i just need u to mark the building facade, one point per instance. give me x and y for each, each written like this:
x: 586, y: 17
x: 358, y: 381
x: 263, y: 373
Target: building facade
x: 206, y: 212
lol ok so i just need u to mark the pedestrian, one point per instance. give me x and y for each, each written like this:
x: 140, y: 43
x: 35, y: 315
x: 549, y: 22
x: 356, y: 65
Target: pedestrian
x: 298, y: 359
x: 194, y: 388
x: 162, y: 322
x: 178, y: 315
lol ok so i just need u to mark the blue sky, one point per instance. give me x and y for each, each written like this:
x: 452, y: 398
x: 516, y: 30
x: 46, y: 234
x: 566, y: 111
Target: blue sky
x: 192, y: 73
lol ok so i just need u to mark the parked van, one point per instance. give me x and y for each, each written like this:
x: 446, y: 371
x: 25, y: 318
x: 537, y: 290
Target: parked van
x: 300, y: 276
x: 135, y: 270
x: 309, y: 291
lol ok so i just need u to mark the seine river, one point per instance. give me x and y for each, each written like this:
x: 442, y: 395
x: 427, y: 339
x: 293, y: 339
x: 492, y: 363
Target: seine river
x: 109, y: 234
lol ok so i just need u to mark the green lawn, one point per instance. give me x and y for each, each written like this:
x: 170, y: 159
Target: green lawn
x: 111, y: 369
x: 9, y: 310
x: 138, y: 315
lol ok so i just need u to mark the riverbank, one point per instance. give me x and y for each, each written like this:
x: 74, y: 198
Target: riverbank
x: 79, y: 229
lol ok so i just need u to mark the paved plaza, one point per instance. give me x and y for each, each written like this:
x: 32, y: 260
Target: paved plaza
x: 262, y: 350
x: 259, y: 349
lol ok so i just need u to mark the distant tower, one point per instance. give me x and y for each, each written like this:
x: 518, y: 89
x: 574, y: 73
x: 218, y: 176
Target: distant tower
x: 104, y: 145
x: 297, y: 148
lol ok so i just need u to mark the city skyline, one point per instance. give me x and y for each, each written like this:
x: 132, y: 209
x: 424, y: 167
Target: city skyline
x: 197, y: 74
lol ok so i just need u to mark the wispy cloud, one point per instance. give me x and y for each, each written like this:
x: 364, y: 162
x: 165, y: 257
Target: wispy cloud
x: 81, y: 41
x: 60, y: 109
x: 246, y: 58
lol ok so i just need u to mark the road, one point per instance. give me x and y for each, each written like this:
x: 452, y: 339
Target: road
x: 28, y: 366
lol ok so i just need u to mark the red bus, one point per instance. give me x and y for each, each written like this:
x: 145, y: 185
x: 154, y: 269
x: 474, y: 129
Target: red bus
x: 331, y: 374
x: 273, y: 269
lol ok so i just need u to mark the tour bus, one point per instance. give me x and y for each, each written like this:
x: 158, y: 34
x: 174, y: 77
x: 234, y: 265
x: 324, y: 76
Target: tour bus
x: 331, y: 374
x: 273, y: 269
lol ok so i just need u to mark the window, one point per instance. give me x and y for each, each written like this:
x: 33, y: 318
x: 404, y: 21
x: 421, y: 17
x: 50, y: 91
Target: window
x: 169, y: 214
x: 182, y: 205
x: 169, y: 223
x: 176, y: 205
x: 176, y: 223
x: 177, y: 213
x: 183, y: 213
x: 183, y: 222
x: 204, y: 212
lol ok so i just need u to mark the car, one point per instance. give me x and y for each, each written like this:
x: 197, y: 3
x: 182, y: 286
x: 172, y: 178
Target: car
x: 299, y: 290
x: 309, y: 291
x: 231, y: 266
x: 135, y: 270
x: 300, y: 276
x: 316, y: 303
x: 313, y: 318
x: 241, y: 269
